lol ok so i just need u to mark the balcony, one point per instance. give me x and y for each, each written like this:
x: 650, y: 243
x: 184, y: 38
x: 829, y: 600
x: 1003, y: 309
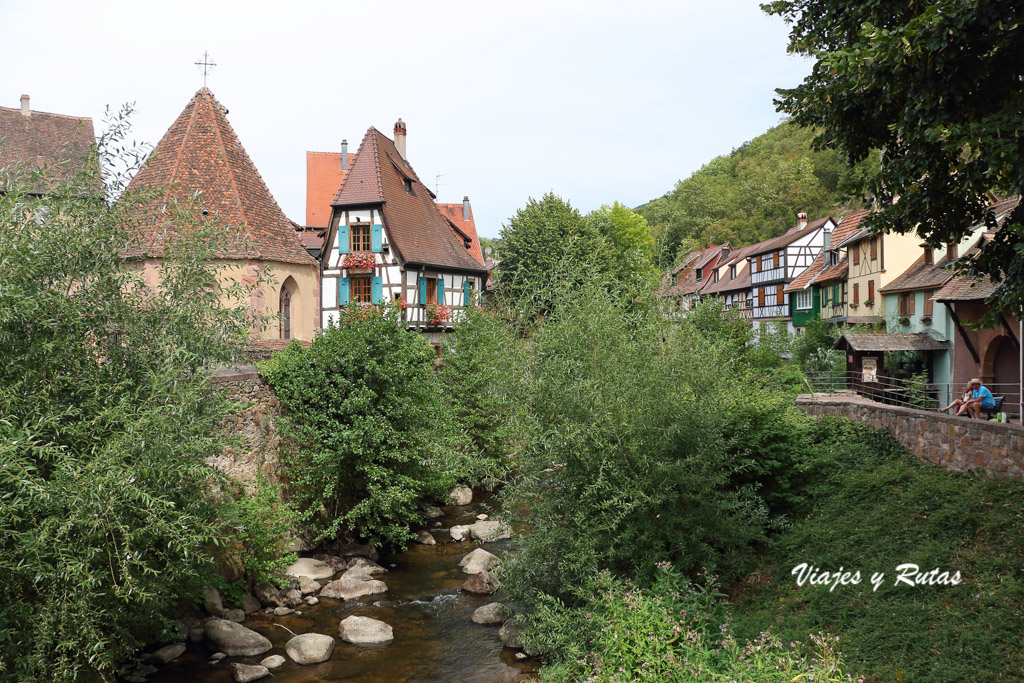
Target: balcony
x: 773, y: 275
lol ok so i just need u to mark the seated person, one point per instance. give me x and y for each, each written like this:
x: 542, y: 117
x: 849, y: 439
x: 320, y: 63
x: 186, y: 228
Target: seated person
x: 955, y: 405
x: 981, y: 399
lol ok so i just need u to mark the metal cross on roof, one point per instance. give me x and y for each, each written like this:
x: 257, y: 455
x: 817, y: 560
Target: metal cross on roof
x: 205, y: 65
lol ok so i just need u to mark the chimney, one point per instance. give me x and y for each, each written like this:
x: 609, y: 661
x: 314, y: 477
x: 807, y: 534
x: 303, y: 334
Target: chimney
x: 344, y: 155
x: 24, y: 106
x: 801, y: 220
x: 828, y: 240
x: 465, y: 208
x: 400, y: 137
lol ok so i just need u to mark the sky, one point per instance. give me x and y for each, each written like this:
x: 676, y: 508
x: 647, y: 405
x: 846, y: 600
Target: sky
x: 595, y: 101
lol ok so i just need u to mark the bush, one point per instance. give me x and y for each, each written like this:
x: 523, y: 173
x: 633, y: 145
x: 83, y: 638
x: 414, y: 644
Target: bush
x: 676, y: 630
x: 262, y: 524
x: 108, y: 417
x: 375, y: 435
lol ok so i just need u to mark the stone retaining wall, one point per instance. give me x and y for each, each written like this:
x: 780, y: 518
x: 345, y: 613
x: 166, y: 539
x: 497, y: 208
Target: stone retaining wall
x: 259, y: 443
x: 955, y: 443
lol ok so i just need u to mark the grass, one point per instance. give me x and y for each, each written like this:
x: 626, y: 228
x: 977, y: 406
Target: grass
x: 872, y: 513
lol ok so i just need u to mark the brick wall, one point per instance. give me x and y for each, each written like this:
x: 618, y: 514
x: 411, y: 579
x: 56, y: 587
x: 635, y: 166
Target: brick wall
x: 955, y: 443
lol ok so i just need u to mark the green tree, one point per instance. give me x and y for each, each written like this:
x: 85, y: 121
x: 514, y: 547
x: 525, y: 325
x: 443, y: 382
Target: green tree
x: 937, y: 87
x: 629, y: 240
x: 107, y: 418
x: 546, y: 246
x: 375, y: 437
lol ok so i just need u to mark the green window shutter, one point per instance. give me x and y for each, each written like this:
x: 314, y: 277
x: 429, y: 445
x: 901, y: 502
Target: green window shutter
x: 375, y: 238
x: 377, y: 291
x: 343, y: 297
x: 465, y: 292
x: 440, y: 289
x: 342, y: 238
x: 423, y: 290
x: 835, y: 293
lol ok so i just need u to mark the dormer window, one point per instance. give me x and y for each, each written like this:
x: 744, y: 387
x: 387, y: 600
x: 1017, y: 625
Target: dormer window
x: 929, y: 258
x: 408, y: 186
x: 951, y: 251
x: 834, y: 257
x: 732, y: 272
x: 699, y: 274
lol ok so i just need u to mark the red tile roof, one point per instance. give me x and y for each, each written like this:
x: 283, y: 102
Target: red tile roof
x: 921, y: 275
x: 454, y: 214
x: 837, y: 271
x: 323, y: 179
x: 61, y: 144
x: 815, y: 273
x: 791, y: 235
x: 742, y: 280
x: 200, y: 152
x: 418, y: 231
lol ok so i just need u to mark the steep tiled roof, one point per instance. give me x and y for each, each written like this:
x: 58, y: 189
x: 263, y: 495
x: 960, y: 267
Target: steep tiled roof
x: 419, y: 232
x: 324, y: 176
x: 967, y: 287
x: 454, y: 214
x: 792, y: 235
x: 201, y: 153
x: 804, y: 279
x: 889, y: 341
x: 60, y: 143
x: 848, y: 224
x: 742, y: 280
x: 701, y: 259
x: 833, y: 272
x: 921, y: 275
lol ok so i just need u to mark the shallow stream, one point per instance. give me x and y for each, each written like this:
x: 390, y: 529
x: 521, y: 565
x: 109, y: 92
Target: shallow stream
x: 435, y: 640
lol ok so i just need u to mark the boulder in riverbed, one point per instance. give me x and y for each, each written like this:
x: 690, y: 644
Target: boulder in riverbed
x: 166, y: 654
x: 310, y: 648
x: 491, y: 613
x: 234, y: 614
x: 291, y: 597
x: 478, y: 561
x: 268, y: 594
x: 489, y: 531
x: 314, y: 569
x: 425, y: 538
x: 243, y: 673
x: 511, y: 634
x: 354, y: 583
x: 308, y: 585
x: 250, y: 604
x: 234, y: 639
x: 432, y: 512
x: 364, y: 630
x: 459, y: 532
x: 461, y: 495
x: 273, y: 661
x: 481, y: 583
x: 212, y: 601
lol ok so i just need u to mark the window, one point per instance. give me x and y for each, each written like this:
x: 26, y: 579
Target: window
x: 928, y: 303
x: 700, y: 274
x: 431, y: 290
x: 732, y: 272
x: 855, y: 248
x: 856, y: 293
x: 359, y: 237
x: 835, y: 293
x: 906, y: 304
x: 833, y: 257
x: 803, y: 300
x: 928, y: 257
x: 766, y: 261
x: 874, y: 248
x: 871, y: 293
x: 408, y: 186
x: 361, y: 289
x: 286, y: 313
x: 753, y: 265
x: 951, y: 252
x: 824, y: 296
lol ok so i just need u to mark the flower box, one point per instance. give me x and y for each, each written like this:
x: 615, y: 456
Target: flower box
x: 359, y: 261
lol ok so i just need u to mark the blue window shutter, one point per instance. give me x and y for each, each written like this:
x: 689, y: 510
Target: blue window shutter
x: 342, y: 291
x: 342, y: 238
x: 375, y: 238
x: 465, y: 292
x: 440, y: 289
x: 423, y: 290
x: 377, y: 293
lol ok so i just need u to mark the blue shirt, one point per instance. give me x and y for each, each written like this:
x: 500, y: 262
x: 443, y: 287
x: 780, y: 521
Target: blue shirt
x: 986, y: 397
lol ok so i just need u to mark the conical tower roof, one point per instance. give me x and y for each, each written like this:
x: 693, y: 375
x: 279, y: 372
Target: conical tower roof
x: 201, y: 153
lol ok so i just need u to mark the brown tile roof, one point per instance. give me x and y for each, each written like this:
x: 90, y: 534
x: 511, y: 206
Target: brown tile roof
x: 833, y: 272
x: 61, y: 144
x: 707, y: 259
x: 888, y: 341
x: 201, y: 153
x: 742, y: 281
x: 418, y: 231
x: 323, y: 179
x: 921, y: 275
x: 804, y: 279
x: 312, y: 239
x: 792, y: 235
x: 970, y: 288
x: 454, y: 214
x: 847, y: 226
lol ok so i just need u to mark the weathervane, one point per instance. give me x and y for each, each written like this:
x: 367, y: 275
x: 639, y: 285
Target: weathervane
x: 205, y: 65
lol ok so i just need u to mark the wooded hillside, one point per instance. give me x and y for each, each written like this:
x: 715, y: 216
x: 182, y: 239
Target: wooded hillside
x: 754, y: 192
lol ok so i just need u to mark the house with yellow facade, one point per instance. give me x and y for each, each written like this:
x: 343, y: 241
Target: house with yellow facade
x: 875, y: 261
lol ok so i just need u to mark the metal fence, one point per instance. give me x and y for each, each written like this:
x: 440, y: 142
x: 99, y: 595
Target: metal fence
x: 900, y: 391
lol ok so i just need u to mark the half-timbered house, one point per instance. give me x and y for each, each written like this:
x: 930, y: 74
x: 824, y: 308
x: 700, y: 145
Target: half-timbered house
x: 388, y: 241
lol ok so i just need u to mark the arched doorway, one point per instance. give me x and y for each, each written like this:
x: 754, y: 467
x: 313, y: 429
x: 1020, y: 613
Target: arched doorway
x: 286, y: 307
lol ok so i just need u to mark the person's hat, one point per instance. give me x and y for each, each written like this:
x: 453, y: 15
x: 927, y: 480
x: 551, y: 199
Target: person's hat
x: 975, y: 381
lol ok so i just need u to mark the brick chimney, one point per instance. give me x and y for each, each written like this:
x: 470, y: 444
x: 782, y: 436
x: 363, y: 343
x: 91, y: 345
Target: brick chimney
x: 25, y: 111
x: 801, y: 220
x: 400, y: 137
x: 465, y: 208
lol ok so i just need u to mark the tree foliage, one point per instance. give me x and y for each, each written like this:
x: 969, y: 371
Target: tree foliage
x: 375, y: 436
x: 106, y: 420
x: 938, y: 87
x: 753, y: 193
x: 629, y: 239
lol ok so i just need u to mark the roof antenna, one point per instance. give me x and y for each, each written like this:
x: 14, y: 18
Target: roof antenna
x: 205, y: 65
x: 437, y: 181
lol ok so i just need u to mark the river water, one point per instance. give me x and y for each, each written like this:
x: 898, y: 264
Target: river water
x: 435, y: 640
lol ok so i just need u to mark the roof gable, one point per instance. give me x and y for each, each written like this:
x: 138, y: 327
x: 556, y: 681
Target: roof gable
x: 455, y: 215
x: 420, y: 233
x: 201, y: 153
x: 324, y: 176
x: 61, y: 144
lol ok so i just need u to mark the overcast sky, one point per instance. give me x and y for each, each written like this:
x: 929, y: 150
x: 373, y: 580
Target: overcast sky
x: 596, y: 101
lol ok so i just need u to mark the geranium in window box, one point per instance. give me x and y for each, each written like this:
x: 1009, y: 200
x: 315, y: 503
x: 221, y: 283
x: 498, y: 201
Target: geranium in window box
x: 926, y: 319
x: 904, y: 320
x: 362, y: 260
x: 437, y: 314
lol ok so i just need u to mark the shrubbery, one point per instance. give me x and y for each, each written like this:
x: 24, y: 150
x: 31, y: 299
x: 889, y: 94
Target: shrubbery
x: 375, y: 434
x: 262, y: 523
